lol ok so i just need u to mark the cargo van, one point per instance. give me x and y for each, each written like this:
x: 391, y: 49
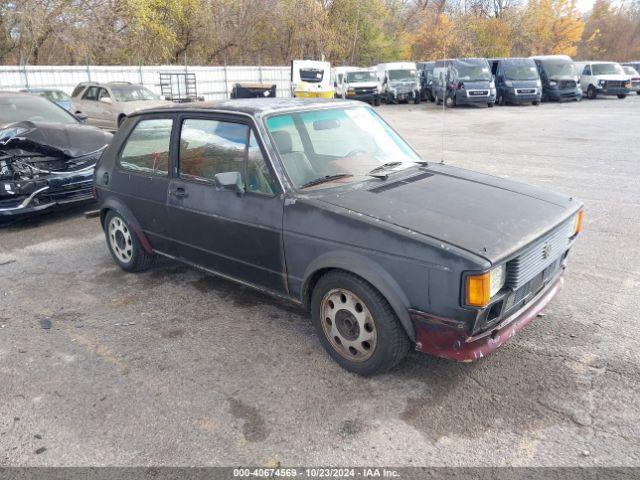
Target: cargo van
x: 517, y: 81
x: 464, y: 81
x: 559, y: 78
x: 311, y: 79
x: 398, y: 82
x: 603, y: 78
x: 356, y: 83
x: 425, y: 73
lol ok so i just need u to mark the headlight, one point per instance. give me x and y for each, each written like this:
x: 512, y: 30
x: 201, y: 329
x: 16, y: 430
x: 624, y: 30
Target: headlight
x: 482, y: 287
x: 492, y: 85
x: 601, y: 82
x: 553, y: 83
x: 11, y: 132
x: 508, y: 83
x: 538, y: 83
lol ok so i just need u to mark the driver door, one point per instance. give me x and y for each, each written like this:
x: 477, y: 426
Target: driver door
x: 105, y: 117
x: 236, y: 233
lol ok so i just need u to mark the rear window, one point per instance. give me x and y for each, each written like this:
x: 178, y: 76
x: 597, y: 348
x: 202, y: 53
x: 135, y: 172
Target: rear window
x: 147, y: 148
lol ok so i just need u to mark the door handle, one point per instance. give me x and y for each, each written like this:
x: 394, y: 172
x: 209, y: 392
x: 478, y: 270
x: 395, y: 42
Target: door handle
x: 105, y: 178
x: 179, y: 192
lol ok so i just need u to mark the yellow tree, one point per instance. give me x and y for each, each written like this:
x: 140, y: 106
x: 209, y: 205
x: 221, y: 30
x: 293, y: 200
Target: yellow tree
x: 553, y: 26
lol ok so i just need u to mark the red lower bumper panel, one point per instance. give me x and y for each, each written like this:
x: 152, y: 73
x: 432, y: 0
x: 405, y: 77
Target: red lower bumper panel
x: 444, y: 338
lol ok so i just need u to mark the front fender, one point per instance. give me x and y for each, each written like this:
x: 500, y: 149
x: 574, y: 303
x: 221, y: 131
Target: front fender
x: 117, y: 206
x: 371, y: 272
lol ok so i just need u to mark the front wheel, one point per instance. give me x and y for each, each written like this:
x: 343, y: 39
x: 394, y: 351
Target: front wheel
x: 535, y: 103
x: 356, y: 325
x: 124, y: 246
x: 450, y: 101
x: 376, y: 102
x: 416, y: 100
x: 591, y: 93
x: 622, y: 96
x: 490, y: 105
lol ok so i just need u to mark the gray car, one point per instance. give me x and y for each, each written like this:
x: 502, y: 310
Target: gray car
x: 322, y: 203
x: 106, y: 105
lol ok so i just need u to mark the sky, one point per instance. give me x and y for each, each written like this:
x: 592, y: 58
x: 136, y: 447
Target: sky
x: 584, y: 5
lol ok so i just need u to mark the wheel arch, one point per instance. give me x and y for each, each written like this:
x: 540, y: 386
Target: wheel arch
x: 117, y: 206
x: 365, y: 268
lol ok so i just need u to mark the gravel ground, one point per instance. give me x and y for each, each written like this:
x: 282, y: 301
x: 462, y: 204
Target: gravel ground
x: 175, y: 367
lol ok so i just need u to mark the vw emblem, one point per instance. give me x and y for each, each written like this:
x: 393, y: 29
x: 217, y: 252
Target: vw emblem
x: 546, y: 251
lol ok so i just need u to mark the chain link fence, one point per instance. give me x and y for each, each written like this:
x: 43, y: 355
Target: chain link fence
x: 213, y: 83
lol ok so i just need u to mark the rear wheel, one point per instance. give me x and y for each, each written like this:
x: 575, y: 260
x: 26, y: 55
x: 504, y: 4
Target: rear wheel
x: 124, y: 246
x: 356, y: 325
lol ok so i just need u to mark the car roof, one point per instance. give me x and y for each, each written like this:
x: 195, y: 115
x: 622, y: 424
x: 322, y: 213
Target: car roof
x: 253, y: 106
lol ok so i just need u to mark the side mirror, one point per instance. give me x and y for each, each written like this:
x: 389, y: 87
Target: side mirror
x: 82, y: 117
x: 229, y: 181
x: 106, y: 100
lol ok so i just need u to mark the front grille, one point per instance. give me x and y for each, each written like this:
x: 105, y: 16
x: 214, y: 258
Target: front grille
x: 365, y: 90
x: 567, y: 84
x: 614, y: 84
x: 535, y: 259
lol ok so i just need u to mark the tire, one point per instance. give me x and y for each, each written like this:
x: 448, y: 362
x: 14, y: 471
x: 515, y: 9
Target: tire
x: 591, y: 93
x: 416, y: 100
x: 535, y: 103
x: 348, y: 312
x: 450, y: 101
x: 622, y: 96
x: 490, y: 105
x: 389, y: 99
x: 500, y: 100
x: 124, y: 246
x: 376, y: 102
x: 438, y: 101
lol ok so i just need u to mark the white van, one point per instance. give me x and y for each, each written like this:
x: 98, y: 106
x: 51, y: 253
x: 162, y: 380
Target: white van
x: 311, y: 79
x: 603, y: 78
x: 356, y: 83
x: 398, y: 82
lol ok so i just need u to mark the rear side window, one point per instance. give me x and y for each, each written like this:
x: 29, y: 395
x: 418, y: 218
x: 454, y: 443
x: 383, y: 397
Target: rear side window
x: 147, y: 148
x: 209, y: 147
x: 77, y: 91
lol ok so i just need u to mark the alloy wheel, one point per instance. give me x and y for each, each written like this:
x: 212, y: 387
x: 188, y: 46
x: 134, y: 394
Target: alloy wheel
x: 120, y: 240
x: 348, y: 325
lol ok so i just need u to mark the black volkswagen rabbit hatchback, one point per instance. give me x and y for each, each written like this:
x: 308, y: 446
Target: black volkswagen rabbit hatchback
x: 322, y: 203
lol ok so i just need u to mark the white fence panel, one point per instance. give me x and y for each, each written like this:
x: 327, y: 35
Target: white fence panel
x: 213, y: 83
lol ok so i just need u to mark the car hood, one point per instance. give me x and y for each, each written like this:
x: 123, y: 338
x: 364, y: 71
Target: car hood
x: 403, y: 83
x: 71, y: 140
x: 363, y: 84
x: 477, y: 84
x: 524, y: 83
x: 488, y: 216
x: 613, y: 77
x: 130, y: 107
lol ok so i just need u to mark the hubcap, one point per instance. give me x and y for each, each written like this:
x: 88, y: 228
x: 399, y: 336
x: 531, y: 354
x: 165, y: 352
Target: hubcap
x: 348, y: 325
x: 120, y: 240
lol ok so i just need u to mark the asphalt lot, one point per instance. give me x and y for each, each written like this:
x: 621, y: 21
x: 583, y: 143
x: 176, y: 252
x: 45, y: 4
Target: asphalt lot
x: 175, y: 367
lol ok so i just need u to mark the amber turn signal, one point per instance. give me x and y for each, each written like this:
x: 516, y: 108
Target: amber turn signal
x: 478, y: 287
x: 578, y: 226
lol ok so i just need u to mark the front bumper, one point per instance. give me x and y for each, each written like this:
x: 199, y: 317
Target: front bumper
x: 363, y: 97
x: 54, y: 191
x: 403, y: 96
x: 446, y: 338
x: 314, y: 94
x: 469, y: 97
x: 521, y: 95
x: 613, y: 91
x: 560, y: 95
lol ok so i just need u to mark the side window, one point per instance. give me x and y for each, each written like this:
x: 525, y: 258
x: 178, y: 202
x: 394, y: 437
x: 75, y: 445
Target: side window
x: 91, y: 94
x: 259, y: 179
x: 103, y: 94
x: 587, y: 70
x: 208, y: 147
x: 147, y: 148
x: 77, y: 91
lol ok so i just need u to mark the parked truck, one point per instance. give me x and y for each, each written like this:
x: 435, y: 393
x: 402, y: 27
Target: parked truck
x: 464, y: 81
x: 603, y: 78
x: 355, y: 83
x: 517, y: 81
x: 311, y: 79
x: 559, y: 77
x: 398, y: 82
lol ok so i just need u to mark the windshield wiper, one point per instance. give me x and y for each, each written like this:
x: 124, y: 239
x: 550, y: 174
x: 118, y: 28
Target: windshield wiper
x: 326, y: 178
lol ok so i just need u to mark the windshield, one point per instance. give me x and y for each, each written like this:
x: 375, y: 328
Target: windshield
x: 133, y: 93
x: 401, y: 74
x: 606, y: 69
x: 33, y: 108
x: 630, y: 71
x: 559, y: 68
x: 354, y: 77
x: 520, y: 69
x: 350, y: 141
x: 472, y: 70
x: 55, y: 95
x: 311, y: 75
